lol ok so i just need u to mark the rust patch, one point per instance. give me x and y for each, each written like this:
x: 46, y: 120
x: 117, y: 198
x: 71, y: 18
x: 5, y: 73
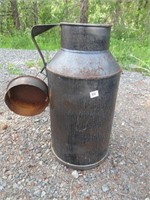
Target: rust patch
x: 26, y: 100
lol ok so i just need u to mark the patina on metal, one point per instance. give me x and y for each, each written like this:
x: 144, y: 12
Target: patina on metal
x: 83, y: 79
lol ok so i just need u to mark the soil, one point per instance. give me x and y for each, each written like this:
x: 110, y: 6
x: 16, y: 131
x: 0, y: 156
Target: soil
x: 28, y: 168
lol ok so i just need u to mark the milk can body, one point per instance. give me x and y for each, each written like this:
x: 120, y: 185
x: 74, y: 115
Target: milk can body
x: 83, y: 79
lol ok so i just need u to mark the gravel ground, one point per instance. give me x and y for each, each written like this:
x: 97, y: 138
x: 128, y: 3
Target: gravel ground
x: 29, y: 170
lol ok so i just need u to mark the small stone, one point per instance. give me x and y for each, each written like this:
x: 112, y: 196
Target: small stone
x: 21, y: 187
x: 31, y: 147
x: 20, y: 171
x: 113, y: 170
x: 123, y: 123
x: 86, y: 179
x: 15, y: 186
x: 9, y: 118
x: 109, y: 195
x: 43, y: 193
x: 4, y: 183
x: 47, y: 151
x: 37, y: 120
x: 37, y: 193
x: 122, y: 162
x: 75, y: 174
x: 126, y: 188
x: 3, y: 125
x: 41, y: 162
x: 54, y: 167
x: 86, y: 194
x: 62, y: 185
x: 1, y: 187
x: 105, y: 188
x: 44, y: 119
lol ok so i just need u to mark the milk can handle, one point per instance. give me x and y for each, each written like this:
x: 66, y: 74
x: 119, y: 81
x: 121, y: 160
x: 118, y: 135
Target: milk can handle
x: 37, y: 30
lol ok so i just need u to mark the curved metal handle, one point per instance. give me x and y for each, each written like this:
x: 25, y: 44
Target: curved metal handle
x: 37, y: 30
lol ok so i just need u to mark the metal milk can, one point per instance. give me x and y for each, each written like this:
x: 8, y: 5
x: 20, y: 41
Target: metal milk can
x: 83, y: 80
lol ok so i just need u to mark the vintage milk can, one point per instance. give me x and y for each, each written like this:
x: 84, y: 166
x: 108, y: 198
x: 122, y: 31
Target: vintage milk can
x: 83, y: 79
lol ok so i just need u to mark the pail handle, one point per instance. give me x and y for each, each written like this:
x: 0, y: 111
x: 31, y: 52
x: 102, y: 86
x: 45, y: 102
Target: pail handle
x: 37, y: 30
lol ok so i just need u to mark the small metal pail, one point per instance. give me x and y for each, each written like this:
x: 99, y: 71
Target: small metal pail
x: 27, y: 95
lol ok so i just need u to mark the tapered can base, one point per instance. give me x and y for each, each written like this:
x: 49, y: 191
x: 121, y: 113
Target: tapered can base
x: 80, y: 167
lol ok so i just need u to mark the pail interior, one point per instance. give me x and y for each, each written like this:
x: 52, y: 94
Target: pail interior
x: 26, y: 100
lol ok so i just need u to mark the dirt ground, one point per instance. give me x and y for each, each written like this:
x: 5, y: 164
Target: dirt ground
x: 29, y: 170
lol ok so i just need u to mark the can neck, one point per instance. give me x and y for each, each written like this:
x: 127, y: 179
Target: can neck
x: 85, y: 37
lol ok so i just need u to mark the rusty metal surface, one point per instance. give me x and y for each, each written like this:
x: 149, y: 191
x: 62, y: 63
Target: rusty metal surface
x: 84, y: 64
x: 27, y: 96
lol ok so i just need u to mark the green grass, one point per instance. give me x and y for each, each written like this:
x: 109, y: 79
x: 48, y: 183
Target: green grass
x: 13, y: 70
x: 30, y: 63
x: 34, y: 63
x: 16, y: 41
x: 23, y: 40
x: 130, y: 52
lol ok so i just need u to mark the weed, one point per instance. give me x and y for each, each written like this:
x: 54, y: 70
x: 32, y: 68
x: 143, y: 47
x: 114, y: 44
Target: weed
x: 130, y: 52
x: 40, y: 63
x: 10, y: 65
x: 35, y: 63
x: 13, y: 70
x: 30, y: 63
x: 143, y: 68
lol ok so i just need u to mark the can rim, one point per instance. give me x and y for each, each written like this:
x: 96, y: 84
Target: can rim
x: 85, y: 24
